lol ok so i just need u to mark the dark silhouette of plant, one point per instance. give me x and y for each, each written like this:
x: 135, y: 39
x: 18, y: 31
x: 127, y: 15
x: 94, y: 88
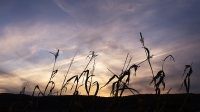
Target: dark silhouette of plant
x: 93, y: 56
x: 160, y: 75
x: 147, y: 53
x: 23, y: 87
x: 77, y: 78
x: 54, y: 72
x: 65, y: 76
x: 186, y: 81
x: 120, y: 84
x: 118, y: 87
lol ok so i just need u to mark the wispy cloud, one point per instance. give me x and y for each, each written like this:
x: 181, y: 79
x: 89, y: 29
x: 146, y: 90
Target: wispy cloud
x: 111, y: 28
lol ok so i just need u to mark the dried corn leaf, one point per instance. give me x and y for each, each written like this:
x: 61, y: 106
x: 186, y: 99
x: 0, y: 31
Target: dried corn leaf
x: 157, y: 76
x: 186, y: 66
x: 171, y: 57
x: 163, y: 83
x: 37, y: 87
x: 190, y: 71
x: 113, y: 87
x: 54, y: 73
x: 123, y: 88
x: 185, y: 84
x: 135, y: 67
x: 76, y: 76
x: 110, y: 80
x: 86, y: 81
x: 97, y: 89
x: 52, y: 87
x: 76, y: 80
x: 169, y: 91
x: 161, y: 80
x: 147, y: 52
x: 86, y: 71
x: 142, y: 39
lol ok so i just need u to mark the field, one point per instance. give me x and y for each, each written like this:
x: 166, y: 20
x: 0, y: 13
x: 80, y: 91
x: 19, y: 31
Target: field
x: 170, y: 103
x: 48, y: 101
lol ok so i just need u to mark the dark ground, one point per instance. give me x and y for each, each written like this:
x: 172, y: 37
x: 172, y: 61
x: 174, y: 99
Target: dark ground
x: 145, y: 102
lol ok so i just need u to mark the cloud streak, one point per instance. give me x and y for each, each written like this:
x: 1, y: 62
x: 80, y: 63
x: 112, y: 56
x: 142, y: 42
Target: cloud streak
x: 28, y: 32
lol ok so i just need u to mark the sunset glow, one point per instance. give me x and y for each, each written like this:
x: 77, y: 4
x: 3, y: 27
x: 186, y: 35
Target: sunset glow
x: 30, y: 29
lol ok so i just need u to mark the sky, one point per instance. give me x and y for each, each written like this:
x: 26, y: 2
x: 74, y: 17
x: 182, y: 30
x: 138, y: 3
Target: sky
x: 30, y: 29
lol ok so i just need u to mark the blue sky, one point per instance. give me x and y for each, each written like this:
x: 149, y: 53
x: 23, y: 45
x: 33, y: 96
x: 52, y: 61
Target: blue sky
x: 30, y: 29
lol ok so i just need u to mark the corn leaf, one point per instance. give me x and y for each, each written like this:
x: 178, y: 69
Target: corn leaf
x: 171, y: 57
x: 157, y: 76
x: 97, y: 89
x: 185, y: 84
x: 113, y: 87
x: 110, y: 80
x: 186, y: 66
x: 135, y: 67
x: 163, y: 83
x: 169, y: 90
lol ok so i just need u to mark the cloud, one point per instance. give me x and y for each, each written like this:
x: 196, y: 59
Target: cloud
x: 110, y: 28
